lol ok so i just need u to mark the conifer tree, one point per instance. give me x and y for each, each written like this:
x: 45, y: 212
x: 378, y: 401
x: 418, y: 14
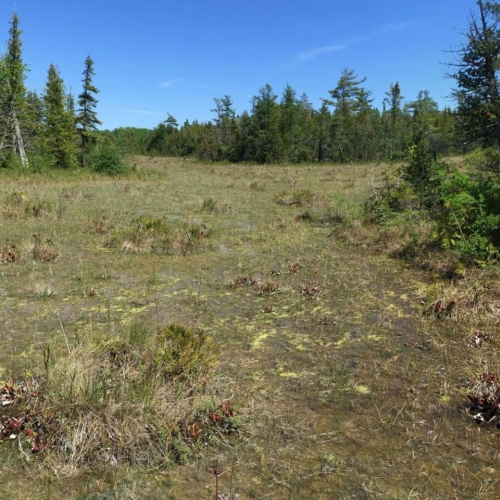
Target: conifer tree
x: 265, y: 126
x: 13, y: 94
x: 350, y: 101
x: 290, y: 124
x: 86, y: 118
x: 392, y: 118
x: 476, y: 76
x: 59, y: 133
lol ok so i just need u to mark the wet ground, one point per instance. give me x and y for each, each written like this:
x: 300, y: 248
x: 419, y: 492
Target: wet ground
x: 344, y: 388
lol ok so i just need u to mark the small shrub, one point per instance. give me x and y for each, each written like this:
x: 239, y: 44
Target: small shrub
x: 208, y: 205
x: 41, y: 162
x: 182, y: 352
x: 212, y: 206
x: 149, y: 233
x: 107, y: 159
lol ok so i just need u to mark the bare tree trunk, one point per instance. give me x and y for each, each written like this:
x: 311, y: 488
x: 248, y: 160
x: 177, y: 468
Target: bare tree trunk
x: 20, y: 142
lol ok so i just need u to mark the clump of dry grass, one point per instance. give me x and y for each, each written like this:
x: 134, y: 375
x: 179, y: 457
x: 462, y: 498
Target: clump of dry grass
x: 466, y: 301
x: 210, y: 205
x: 300, y: 197
x: 243, y: 281
x: 144, y: 399
x: 147, y: 234
x: 43, y: 253
x: 19, y: 203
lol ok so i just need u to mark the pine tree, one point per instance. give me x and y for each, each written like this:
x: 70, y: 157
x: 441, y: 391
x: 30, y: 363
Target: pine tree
x: 58, y: 132
x: 350, y: 100
x: 476, y: 76
x: 392, y: 117
x: 33, y: 119
x: 290, y: 124
x: 224, y: 125
x: 13, y: 94
x: 265, y: 129
x: 86, y: 119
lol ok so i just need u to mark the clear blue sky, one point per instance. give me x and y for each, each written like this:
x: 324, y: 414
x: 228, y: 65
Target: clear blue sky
x: 157, y: 57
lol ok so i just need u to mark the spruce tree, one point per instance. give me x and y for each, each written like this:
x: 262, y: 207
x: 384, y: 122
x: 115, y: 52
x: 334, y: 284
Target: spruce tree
x: 392, y: 119
x: 59, y: 133
x: 265, y: 126
x: 13, y: 94
x: 476, y: 75
x: 86, y: 119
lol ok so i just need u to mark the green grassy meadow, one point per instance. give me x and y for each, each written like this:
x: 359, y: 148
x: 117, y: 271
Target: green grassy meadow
x: 346, y: 379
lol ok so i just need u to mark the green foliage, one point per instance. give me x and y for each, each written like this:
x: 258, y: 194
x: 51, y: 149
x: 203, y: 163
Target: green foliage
x: 40, y: 162
x: 58, y: 135
x: 485, y: 160
x: 265, y: 126
x: 385, y: 203
x: 86, y: 119
x: 470, y: 216
x: 149, y: 233
x: 106, y: 158
x: 476, y: 75
x: 13, y: 96
x: 420, y: 173
x: 464, y: 207
x: 183, y: 352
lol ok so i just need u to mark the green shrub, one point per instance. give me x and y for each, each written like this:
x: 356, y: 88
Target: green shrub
x: 41, y: 162
x: 182, y: 352
x: 463, y: 207
x: 107, y: 159
x: 470, y: 216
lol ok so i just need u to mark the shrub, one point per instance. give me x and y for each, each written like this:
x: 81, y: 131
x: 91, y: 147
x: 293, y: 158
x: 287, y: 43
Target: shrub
x: 107, y: 159
x: 464, y: 208
x: 470, y: 216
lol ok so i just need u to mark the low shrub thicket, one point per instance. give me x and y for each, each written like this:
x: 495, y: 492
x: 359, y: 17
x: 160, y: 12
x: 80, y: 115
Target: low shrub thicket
x: 459, y: 206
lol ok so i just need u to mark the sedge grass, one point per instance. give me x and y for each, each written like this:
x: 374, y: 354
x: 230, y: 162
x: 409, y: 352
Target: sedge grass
x: 354, y: 391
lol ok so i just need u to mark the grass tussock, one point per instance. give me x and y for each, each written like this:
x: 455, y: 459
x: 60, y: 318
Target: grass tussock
x: 150, y: 234
x: 144, y: 399
x: 17, y: 204
x: 468, y: 301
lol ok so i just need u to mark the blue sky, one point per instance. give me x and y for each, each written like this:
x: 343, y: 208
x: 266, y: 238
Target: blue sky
x: 157, y: 57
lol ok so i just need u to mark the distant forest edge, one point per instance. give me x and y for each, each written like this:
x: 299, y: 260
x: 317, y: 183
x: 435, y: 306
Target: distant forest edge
x: 288, y: 129
x: 58, y: 130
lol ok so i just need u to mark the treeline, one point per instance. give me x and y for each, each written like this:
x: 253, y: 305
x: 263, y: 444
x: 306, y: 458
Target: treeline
x: 347, y: 127
x: 58, y: 130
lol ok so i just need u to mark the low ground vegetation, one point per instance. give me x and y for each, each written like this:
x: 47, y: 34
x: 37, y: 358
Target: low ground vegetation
x: 154, y: 335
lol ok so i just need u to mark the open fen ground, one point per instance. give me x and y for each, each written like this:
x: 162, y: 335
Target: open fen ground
x: 343, y: 387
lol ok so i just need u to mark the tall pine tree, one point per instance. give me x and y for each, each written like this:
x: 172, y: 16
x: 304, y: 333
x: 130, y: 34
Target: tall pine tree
x: 476, y: 75
x: 58, y: 132
x: 86, y: 119
x: 13, y: 94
